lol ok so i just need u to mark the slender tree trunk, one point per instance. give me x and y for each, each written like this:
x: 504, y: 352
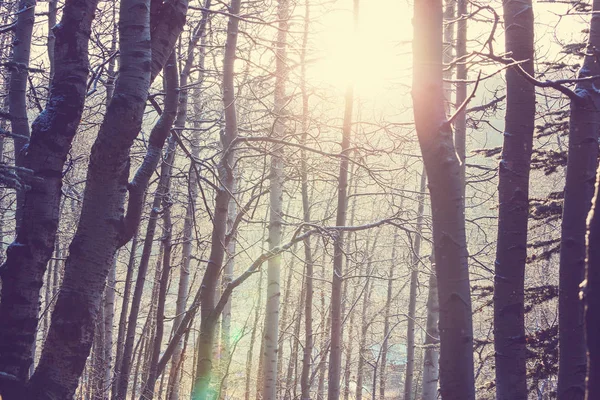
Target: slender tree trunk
x: 52, y: 132
x: 513, y: 212
x: 591, y: 292
x: 431, y: 357
x: 386, y: 321
x: 124, y: 313
x: 460, y: 123
x: 153, y: 375
x: 308, y: 256
x: 210, y: 280
x: 253, y: 335
x: 271, y: 330
x: 51, y: 37
x: 445, y: 187
x: 582, y: 161
x: 293, y: 362
x: 109, y: 315
x: 335, y: 355
x: 412, y: 297
x: 171, y: 102
x: 188, y: 224
x: 136, y: 301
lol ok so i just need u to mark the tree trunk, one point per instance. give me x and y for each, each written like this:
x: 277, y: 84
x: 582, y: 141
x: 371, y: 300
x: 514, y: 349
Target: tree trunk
x: 431, y: 357
x: 445, y: 187
x: 412, y: 297
x: 127, y: 357
x: 109, y: 315
x: 386, y: 321
x: 335, y: 355
x: 52, y: 132
x: 362, y: 347
x: 188, y: 224
x: 210, y: 281
x: 591, y: 292
x: 271, y: 330
x: 293, y: 362
x: 308, y: 256
x: 102, y: 226
x: 124, y: 312
x: 582, y: 161
x: 17, y: 90
x: 513, y: 212
x: 249, y: 357
x: 153, y: 375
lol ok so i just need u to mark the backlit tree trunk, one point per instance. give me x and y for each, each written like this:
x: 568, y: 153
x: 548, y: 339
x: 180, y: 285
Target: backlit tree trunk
x: 445, y: 188
x: 271, y: 330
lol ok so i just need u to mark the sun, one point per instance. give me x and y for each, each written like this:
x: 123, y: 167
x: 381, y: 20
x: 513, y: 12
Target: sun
x: 373, y: 57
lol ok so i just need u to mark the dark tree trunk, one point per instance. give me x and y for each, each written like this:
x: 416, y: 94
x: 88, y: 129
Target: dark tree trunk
x: 335, y: 354
x: 445, y: 187
x: 17, y: 90
x: 513, y: 212
x: 412, y: 296
x: 52, y: 134
x: 210, y: 280
x: 386, y: 321
x: 582, y: 162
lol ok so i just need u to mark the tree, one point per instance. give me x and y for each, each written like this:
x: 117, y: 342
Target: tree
x: 513, y: 197
x: 582, y: 161
x: 271, y: 330
x: 52, y: 133
x: 445, y: 187
x: 103, y: 227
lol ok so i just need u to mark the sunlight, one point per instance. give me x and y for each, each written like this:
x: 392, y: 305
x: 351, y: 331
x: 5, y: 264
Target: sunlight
x: 374, y: 57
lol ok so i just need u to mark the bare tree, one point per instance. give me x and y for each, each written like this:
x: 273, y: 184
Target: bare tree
x: 445, y: 187
x: 52, y: 134
x: 582, y: 162
x: 513, y: 194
